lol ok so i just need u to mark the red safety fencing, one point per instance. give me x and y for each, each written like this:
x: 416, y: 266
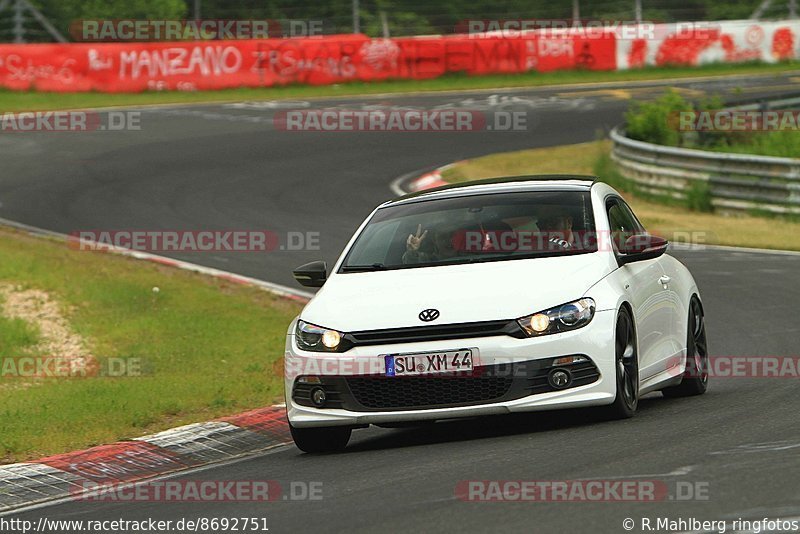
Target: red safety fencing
x: 129, y: 67
x: 132, y: 67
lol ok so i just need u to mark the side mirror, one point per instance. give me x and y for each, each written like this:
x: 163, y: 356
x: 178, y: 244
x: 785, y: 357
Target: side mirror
x: 312, y: 274
x: 642, y: 247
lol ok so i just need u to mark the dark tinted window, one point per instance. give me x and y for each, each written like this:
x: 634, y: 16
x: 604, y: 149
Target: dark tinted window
x: 475, y: 228
x: 623, y: 223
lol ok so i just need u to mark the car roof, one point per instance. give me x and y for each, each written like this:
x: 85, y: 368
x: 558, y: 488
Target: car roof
x: 533, y: 182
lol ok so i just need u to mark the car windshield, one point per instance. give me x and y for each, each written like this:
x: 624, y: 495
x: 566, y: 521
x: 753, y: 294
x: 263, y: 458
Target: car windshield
x: 476, y: 228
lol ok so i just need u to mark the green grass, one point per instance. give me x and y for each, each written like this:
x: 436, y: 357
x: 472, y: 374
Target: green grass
x: 16, y: 337
x: 782, y: 144
x: 208, y: 347
x: 11, y: 101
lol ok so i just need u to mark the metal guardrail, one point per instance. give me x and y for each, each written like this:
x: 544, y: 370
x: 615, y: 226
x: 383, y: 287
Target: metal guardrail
x: 738, y: 182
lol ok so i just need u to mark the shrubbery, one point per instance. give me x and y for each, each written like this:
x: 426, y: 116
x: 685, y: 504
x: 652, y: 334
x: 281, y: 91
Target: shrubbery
x: 657, y: 122
x: 650, y: 121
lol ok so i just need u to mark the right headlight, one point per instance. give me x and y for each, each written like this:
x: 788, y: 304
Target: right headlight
x: 318, y: 339
x: 569, y: 316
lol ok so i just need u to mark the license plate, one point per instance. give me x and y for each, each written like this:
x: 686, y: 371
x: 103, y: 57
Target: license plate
x: 427, y: 363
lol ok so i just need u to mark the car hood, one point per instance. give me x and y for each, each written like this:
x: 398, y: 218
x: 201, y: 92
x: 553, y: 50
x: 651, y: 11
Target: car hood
x: 462, y: 293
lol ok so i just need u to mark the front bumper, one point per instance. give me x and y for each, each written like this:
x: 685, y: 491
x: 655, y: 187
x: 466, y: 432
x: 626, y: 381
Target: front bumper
x: 500, y: 359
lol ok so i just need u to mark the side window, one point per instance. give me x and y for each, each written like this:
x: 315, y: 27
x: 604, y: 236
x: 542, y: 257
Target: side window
x: 632, y: 216
x: 622, y: 222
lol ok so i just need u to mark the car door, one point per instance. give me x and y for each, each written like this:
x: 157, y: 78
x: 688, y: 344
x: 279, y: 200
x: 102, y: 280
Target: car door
x: 645, y: 291
x: 674, y: 339
x: 676, y: 284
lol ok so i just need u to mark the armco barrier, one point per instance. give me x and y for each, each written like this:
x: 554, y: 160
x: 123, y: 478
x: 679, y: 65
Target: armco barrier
x: 132, y: 67
x: 738, y: 182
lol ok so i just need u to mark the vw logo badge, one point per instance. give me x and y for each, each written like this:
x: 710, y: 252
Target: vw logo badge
x: 429, y: 315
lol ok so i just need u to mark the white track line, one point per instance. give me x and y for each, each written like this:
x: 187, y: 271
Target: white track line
x: 272, y: 449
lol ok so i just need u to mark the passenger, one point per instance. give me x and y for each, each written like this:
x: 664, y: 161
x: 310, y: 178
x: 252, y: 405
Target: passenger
x: 439, y: 249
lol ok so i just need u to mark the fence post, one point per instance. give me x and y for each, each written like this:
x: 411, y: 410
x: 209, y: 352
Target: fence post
x: 19, y: 21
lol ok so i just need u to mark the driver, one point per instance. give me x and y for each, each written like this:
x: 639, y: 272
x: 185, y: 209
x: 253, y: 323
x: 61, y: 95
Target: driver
x: 557, y: 229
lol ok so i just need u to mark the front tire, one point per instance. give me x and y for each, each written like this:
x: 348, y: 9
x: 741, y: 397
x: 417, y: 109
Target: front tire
x: 627, y: 369
x: 322, y: 439
x: 695, y: 378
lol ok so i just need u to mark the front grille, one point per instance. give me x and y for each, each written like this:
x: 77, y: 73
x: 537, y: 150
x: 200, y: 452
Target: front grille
x: 418, y: 391
x: 435, y: 333
x: 487, y: 384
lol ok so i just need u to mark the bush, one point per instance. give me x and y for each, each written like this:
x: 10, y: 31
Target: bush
x: 650, y: 121
x: 698, y: 197
x: 654, y: 122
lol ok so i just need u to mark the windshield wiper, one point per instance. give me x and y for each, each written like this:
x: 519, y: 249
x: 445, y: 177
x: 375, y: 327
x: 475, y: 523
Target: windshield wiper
x: 363, y: 268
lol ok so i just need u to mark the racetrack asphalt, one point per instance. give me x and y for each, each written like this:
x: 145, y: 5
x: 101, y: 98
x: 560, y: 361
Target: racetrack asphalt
x: 225, y: 166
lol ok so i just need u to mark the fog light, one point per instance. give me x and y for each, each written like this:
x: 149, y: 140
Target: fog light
x: 318, y: 397
x: 309, y: 380
x: 567, y: 360
x: 559, y: 378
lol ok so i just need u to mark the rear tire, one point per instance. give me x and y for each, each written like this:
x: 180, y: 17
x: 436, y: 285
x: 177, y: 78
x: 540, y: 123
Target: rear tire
x: 695, y: 378
x: 627, y: 369
x: 322, y: 439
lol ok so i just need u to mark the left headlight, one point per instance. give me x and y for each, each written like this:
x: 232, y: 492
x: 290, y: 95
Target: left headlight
x: 569, y: 316
x: 318, y: 339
